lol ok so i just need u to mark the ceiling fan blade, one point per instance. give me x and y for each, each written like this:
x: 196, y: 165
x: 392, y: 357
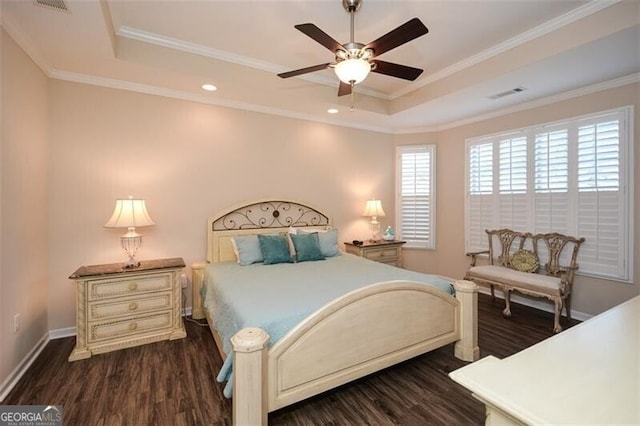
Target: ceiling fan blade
x: 406, y: 32
x: 320, y: 36
x: 344, y: 89
x: 303, y: 70
x: 396, y: 70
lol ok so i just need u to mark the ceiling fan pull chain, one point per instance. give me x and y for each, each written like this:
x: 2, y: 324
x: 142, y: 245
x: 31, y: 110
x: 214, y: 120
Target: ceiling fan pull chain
x: 352, y: 97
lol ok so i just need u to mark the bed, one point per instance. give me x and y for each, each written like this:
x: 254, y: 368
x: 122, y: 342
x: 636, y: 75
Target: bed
x: 341, y: 337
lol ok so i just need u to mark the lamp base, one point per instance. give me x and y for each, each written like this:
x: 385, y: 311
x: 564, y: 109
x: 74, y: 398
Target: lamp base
x: 375, y: 231
x: 131, y: 243
x: 131, y: 265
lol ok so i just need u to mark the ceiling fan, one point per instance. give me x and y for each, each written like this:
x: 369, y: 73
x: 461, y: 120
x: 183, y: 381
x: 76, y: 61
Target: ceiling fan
x: 354, y: 61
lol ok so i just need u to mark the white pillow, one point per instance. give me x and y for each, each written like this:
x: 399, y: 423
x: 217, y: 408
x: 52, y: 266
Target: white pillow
x: 234, y: 246
x: 292, y: 248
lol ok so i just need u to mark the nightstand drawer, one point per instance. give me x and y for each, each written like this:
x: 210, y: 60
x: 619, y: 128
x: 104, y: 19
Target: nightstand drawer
x: 129, y: 306
x: 106, y: 330
x: 389, y: 252
x: 101, y: 289
x: 382, y: 254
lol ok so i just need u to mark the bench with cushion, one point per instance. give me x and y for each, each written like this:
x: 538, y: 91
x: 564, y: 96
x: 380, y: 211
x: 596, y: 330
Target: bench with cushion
x: 514, y: 264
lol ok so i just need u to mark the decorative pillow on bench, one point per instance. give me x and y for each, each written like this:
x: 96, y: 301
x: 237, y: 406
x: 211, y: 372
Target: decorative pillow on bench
x: 525, y: 261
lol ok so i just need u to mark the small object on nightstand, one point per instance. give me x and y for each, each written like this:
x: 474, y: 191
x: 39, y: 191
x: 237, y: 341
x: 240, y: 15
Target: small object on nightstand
x: 120, y: 308
x: 388, y: 234
x: 389, y: 252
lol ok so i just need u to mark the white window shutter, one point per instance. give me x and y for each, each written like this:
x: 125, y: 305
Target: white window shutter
x: 600, y: 198
x: 416, y: 196
x: 512, y: 181
x: 480, y: 198
x: 551, y: 181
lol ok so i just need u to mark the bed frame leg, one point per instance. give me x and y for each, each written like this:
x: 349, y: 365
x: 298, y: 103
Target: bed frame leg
x: 467, y: 348
x: 197, y: 279
x: 250, y: 347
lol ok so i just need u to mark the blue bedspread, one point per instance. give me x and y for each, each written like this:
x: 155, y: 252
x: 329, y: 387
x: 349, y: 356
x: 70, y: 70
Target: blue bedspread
x: 278, y: 297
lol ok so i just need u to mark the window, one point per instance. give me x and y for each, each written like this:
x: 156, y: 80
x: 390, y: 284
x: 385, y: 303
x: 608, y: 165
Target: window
x: 415, y: 195
x: 571, y: 177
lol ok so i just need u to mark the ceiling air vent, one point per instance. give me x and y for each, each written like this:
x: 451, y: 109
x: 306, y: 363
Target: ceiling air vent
x: 54, y: 4
x: 508, y: 92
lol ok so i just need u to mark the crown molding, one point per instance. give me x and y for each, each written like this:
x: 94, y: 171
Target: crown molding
x: 177, y: 94
x: 197, y: 49
x: 587, y: 90
x: 209, y: 52
x: 525, y: 37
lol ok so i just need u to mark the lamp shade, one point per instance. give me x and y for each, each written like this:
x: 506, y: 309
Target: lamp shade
x: 373, y: 208
x: 129, y: 213
x: 352, y: 70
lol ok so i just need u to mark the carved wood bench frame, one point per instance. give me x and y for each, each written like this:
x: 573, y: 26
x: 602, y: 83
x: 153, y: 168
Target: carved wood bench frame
x: 509, y: 242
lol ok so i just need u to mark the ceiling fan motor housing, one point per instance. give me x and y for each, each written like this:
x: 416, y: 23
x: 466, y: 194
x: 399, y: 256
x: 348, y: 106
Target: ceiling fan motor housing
x: 351, y: 5
x: 354, y: 51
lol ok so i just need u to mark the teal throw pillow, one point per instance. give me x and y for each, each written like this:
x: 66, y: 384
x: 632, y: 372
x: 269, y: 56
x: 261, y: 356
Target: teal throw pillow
x: 307, y: 247
x: 274, y: 248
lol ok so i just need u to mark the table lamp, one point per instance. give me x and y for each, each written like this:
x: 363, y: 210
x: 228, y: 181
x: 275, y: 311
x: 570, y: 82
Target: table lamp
x: 130, y: 213
x: 374, y: 210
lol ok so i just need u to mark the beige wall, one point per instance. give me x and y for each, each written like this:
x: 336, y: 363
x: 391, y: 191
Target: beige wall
x: 24, y: 160
x: 189, y: 161
x: 591, y: 296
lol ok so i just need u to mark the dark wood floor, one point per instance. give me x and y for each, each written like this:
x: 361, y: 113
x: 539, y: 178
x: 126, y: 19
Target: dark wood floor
x: 173, y: 383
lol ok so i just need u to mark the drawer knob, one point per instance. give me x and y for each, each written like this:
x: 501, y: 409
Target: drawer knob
x: 133, y: 306
x: 133, y: 286
x: 133, y: 326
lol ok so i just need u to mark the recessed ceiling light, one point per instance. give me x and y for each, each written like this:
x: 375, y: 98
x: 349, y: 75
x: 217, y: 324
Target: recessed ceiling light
x: 332, y: 110
x: 209, y: 87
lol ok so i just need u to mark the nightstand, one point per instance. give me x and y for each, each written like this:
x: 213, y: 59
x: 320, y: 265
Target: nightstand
x: 119, y: 308
x: 389, y: 252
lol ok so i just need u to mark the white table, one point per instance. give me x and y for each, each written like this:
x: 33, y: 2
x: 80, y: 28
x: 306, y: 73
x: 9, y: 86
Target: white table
x: 589, y: 374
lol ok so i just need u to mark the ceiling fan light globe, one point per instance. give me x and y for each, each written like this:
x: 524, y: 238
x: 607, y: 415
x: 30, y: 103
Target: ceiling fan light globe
x: 352, y: 70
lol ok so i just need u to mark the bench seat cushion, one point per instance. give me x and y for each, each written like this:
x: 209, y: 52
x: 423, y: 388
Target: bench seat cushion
x: 511, y: 277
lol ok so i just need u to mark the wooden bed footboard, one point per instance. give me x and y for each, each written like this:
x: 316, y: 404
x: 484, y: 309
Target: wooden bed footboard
x: 304, y: 362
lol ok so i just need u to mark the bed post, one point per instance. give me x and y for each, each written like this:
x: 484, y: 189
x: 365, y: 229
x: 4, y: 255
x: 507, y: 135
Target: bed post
x: 197, y: 279
x: 467, y: 348
x: 250, y: 346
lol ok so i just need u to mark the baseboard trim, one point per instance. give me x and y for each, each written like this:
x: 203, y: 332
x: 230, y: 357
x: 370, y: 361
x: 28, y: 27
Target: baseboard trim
x: 62, y: 332
x: 17, y: 373
x: 533, y: 303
